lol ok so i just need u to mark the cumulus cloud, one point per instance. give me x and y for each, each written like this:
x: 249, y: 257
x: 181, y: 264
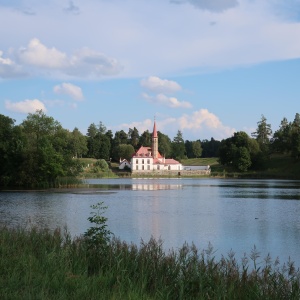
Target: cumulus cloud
x: 69, y: 89
x: 37, y: 54
x: 155, y: 84
x: 83, y: 63
x: 162, y: 99
x: 211, y: 5
x: 202, y: 119
x: 161, y: 87
x: 9, y: 69
x: 26, y: 106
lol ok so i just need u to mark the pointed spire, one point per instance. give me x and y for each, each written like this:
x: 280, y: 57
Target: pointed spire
x: 154, y: 134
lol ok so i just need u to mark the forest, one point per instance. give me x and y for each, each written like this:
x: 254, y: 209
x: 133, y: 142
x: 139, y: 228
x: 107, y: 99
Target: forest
x: 40, y: 150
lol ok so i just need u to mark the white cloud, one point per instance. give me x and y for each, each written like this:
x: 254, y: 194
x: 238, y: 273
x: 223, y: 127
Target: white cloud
x: 203, y: 119
x: 155, y: 84
x: 83, y: 63
x: 211, y: 5
x: 26, y: 106
x: 162, y: 99
x: 69, y: 89
x: 37, y: 54
x: 90, y: 62
x: 9, y: 69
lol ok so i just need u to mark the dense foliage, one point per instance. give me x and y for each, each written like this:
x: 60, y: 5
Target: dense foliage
x: 38, y: 150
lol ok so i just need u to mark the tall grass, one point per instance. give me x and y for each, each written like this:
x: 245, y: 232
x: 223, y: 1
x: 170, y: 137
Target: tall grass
x: 39, y: 264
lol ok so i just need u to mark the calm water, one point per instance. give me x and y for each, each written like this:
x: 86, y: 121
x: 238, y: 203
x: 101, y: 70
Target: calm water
x: 231, y: 214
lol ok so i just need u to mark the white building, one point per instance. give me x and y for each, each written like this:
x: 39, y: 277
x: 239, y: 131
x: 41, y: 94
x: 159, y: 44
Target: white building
x: 148, y: 159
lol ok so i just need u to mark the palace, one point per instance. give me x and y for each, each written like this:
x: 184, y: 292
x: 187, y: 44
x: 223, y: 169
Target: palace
x: 148, y: 159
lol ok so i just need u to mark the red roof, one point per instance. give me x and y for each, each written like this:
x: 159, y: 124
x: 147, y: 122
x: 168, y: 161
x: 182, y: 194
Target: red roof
x: 143, y: 151
x: 171, y: 161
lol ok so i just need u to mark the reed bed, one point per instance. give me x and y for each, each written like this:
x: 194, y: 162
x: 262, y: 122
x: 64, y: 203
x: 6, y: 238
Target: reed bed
x: 40, y: 264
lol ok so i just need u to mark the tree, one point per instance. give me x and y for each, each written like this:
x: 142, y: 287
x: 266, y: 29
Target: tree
x: 193, y: 149
x: 133, y: 137
x: 295, y: 137
x: 282, y: 137
x: 124, y: 151
x: 12, y: 144
x: 146, y: 139
x: 102, y: 146
x: 178, y: 148
x: 78, y: 143
x: 263, y: 133
x: 240, y: 152
x: 197, y: 150
x: 210, y: 148
x: 46, y: 155
x: 164, y: 144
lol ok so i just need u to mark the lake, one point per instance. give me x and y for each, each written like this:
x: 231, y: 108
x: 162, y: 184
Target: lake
x: 228, y: 213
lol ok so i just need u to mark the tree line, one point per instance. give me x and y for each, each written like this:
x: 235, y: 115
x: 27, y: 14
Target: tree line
x: 40, y: 149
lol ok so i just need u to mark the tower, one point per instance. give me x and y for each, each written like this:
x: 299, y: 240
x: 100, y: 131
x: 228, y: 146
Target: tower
x: 154, y: 142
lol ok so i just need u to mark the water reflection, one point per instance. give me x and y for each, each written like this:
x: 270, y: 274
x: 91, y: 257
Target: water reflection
x: 155, y: 187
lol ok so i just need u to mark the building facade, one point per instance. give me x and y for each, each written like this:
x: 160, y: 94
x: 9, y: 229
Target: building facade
x: 148, y: 159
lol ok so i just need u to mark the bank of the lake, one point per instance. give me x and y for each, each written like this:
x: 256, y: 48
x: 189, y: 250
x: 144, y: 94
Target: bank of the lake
x: 279, y: 166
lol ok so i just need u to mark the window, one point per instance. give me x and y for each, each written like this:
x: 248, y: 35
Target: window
x: 143, y: 161
x: 148, y: 167
x: 137, y: 161
x: 137, y: 167
x: 142, y: 167
x: 148, y: 161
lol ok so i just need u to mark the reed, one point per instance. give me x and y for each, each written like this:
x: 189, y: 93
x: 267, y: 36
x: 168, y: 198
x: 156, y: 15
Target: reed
x: 40, y: 264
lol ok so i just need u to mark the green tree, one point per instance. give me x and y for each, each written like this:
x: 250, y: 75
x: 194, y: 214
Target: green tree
x: 282, y: 137
x: 124, y: 151
x: 178, y: 148
x: 164, y: 144
x: 91, y: 135
x: 12, y: 145
x: 210, y: 148
x: 240, y: 152
x: 78, y: 143
x: 133, y: 137
x: 295, y: 137
x: 46, y: 155
x: 146, y: 139
x: 102, y: 146
x: 263, y: 134
x: 197, y: 150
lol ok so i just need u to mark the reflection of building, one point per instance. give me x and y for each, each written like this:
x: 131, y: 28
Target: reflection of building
x: 155, y: 187
x: 148, y: 159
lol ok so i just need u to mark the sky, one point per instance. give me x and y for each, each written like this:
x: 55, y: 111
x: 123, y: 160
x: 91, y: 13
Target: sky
x: 208, y: 68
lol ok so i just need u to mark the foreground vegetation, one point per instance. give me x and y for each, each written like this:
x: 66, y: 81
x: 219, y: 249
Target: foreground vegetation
x: 39, y: 264
x: 43, y: 265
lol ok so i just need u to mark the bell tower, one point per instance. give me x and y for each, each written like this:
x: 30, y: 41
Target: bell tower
x: 154, y: 142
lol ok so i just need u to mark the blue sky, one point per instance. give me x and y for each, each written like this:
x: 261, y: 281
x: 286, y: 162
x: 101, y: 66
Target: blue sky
x: 206, y: 67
